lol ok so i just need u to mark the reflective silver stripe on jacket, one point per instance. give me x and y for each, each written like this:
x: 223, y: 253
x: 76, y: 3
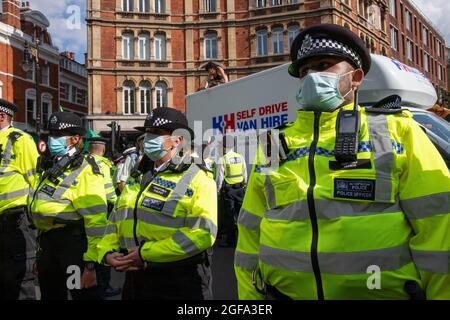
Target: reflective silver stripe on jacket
x: 426, y: 206
x: 93, y: 210
x: 249, y: 220
x: 388, y: 259
x: 432, y: 261
x: 270, y: 192
x: 68, y: 181
x: 14, y: 194
x: 96, y: 231
x: 383, y: 155
x: 185, y: 243
x: 330, y: 209
x: 246, y: 260
x: 180, y: 190
x: 69, y: 216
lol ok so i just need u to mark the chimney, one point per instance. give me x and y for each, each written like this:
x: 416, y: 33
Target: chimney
x: 11, y: 13
x: 25, y: 7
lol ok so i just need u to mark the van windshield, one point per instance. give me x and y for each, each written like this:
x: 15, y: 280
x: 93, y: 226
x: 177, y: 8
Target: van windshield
x: 433, y: 123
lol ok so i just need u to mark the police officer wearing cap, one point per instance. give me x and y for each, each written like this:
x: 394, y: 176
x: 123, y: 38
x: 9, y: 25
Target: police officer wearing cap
x: 69, y: 208
x: 18, y: 160
x: 359, y: 205
x: 166, y: 224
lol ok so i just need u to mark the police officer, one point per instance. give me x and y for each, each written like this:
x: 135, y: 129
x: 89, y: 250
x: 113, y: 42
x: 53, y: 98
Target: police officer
x: 97, y: 149
x: 361, y: 195
x: 166, y: 224
x: 18, y: 160
x: 231, y: 178
x: 69, y: 209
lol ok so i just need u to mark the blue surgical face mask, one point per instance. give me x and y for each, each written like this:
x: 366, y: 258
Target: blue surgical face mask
x: 58, y: 146
x: 154, y: 146
x: 319, y: 91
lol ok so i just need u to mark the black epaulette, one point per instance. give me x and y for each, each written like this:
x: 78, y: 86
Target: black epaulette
x: 203, y: 166
x: 95, y: 168
x: 14, y: 136
x: 388, y: 105
x: 283, y: 149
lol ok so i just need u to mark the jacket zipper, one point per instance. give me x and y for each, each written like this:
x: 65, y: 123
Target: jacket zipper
x: 312, y: 208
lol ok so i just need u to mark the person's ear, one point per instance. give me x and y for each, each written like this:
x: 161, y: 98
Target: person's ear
x: 75, y: 139
x: 357, y: 78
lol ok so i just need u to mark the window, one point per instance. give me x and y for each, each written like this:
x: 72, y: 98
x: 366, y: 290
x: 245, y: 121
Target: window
x: 30, y: 73
x: 277, y: 41
x: 260, y: 3
x: 438, y: 48
x: 408, y: 21
x: 262, y: 42
x: 45, y: 111
x: 439, y: 74
x: 128, y: 97
x: 66, y: 87
x: 275, y: 2
x: 393, y: 8
x: 409, y: 49
x: 425, y: 36
x: 144, y: 6
x: 45, y: 75
x: 128, y: 46
x: 127, y: 5
x: 144, y: 46
x: 74, y: 94
x: 210, y: 5
x: 160, y: 6
x: 292, y: 1
x: 145, y: 97
x: 293, y: 31
x: 160, y: 46
x: 31, y: 104
x: 426, y: 65
x: 347, y: 2
x: 210, y: 46
x: 161, y: 94
x: 82, y: 97
x: 394, y: 38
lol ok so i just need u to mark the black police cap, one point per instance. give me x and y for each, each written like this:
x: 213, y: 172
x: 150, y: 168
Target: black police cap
x: 168, y: 119
x: 8, y: 107
x: 328, y: 40
x: 66, y: 121
x: 97, y: 140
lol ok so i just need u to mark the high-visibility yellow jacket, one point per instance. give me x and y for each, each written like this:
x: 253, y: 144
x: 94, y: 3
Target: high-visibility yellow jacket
x: 176, y: 216
x: 233, y: 166
x: 106, y: 167
x: 18, y: 163
x: 80, y: 194
x: 315, y: 230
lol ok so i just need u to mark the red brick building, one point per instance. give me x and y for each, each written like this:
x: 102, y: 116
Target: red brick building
x: 144, y: 54
x: 16, y: 85
x: 416, y: 42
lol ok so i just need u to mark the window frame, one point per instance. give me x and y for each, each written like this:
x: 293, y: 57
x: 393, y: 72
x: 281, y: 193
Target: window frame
x: 128, y: 5
x: 394, y: 36
x: 144, y: 6
x: 145, y: 97
x: 211, y: 38
x: 293, y: 34
x: 160, y: 53
x: 159, y: 6
x: 277, y: 40
x: 262, y: 35
x: 129, y: 91
x: 128, y: 48
x: 143, y: 49
x: 210, y: 6
x: 161, y: 95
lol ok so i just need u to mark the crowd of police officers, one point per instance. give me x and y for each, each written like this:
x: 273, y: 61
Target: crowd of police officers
x: 355, y: 188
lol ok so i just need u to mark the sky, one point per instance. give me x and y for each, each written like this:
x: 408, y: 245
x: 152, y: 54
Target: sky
x: 68, y: 25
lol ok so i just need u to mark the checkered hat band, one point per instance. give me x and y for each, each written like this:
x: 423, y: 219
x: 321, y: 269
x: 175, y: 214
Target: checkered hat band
x: 7, y: 111
x: 62, y: 126
x: 160, y: 122
x: 328, y: 45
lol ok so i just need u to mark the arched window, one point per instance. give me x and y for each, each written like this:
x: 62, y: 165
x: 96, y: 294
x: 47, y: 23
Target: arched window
x: 293, y: 31
x: 210, y: 46
x: 30, y: 105
x: 127, y: 5
x: 261, y: 36
x: 160, y: 46
x: 145, y: 97
x: 128, y: 46
x: 128, y: 97
x: 161, y: 94
x: 260, y: 3
x: 144, y: 46
x: 144, y: 6
x: 160, y: 6
x: 277, y: 40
